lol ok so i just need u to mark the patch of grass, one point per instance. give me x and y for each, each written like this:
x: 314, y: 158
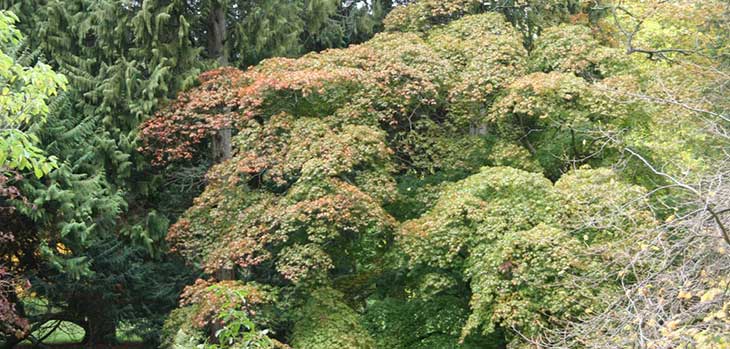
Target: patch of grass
x: 62, y: 332
x: 66, y: 332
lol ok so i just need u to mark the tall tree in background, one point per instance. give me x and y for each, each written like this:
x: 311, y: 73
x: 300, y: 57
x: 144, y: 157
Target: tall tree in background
x: 104, y: 210
x: 24, y: 96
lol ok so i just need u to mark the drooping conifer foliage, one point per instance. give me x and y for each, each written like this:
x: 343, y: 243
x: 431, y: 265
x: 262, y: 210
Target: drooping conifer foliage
x: 89, y: 236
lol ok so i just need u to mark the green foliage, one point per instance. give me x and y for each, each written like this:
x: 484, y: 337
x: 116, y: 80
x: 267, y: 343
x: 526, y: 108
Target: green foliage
x: 573, y: 49
x: 487, y: 56
x: 178, y: 332
x: 328, y: 146
x: 230, y: 310
x: 23, y: 104
x: 256, y: 30
x: 599, y: 208
x: 529, y: 17
x: 423, y: 15
x: 524, y: 281
x: 478, y: 210
x: 560, y: 119
x: 432, y: 323
x: 123, y: 60
x: 67, y: 242
x: 238, y: 329
x: 91, y: 206
x: 444, y: 184
x: 325, y: 321
x: 521, y: 251
x: 403, y: 92
x: 417, y: 194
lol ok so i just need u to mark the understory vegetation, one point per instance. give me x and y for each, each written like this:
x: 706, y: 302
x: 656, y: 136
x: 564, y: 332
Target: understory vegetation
x: 366, y: 174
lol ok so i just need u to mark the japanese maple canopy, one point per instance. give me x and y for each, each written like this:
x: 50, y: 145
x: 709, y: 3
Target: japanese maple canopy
x: 324, y: 146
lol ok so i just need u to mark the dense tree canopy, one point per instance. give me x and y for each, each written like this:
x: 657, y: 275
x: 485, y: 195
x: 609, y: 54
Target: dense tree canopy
x: 342, y: 162
x: 25, y: 92
x: 478, y: 174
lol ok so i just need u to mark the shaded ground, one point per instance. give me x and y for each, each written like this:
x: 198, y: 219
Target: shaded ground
x: 81, y: 346
x: 67, y: 335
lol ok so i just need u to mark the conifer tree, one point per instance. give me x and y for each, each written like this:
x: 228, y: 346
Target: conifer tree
x: 97, y: 223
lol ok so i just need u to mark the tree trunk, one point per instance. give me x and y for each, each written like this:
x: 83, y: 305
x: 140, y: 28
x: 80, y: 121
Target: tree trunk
x: 222, y: 145
x: 10, y: 343
x: 217, y: 33
x: 224, y: 273
x: 100, y: 331
x: 217, y: 50
x: 502, y: 339
x: 478, y: 129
